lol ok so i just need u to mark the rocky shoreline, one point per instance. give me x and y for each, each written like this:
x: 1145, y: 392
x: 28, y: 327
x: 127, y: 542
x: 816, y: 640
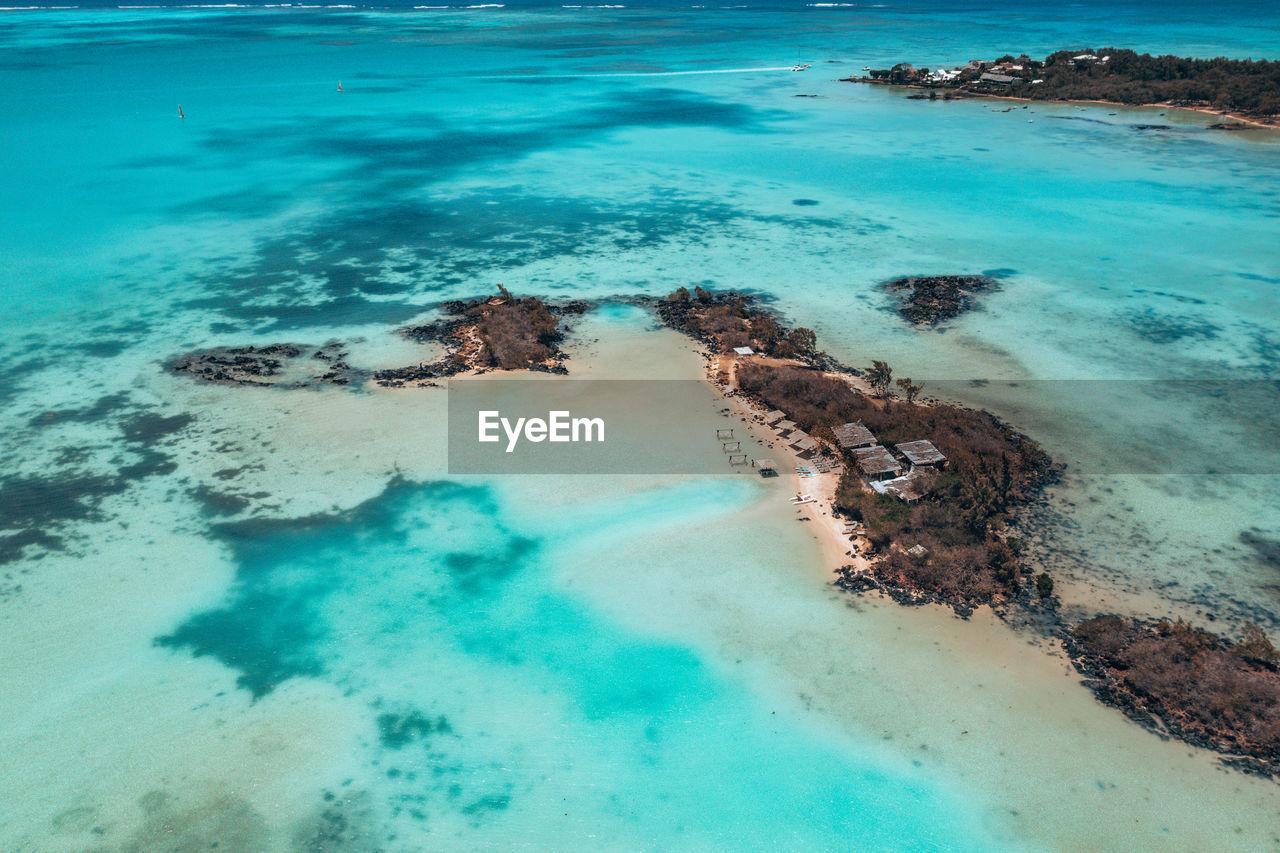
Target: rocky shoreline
x: 1187, y: 683
x: 525, y: 334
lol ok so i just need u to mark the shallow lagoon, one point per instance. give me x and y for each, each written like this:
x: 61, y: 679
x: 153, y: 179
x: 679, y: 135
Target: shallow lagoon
x: 230, y: 570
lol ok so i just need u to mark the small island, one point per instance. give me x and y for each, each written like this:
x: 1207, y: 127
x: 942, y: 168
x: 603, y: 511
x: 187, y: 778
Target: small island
x: 929, y: 300
x: 500, y: 332
x: 927, y: 487
x: 927, y: 490
x: 1246, y: 90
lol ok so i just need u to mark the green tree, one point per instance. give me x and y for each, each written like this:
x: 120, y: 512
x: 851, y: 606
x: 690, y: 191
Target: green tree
x: 909, y: 390
x: 1044, y: 585
x: 766, y: 331
x: 1256, y: 646
x: 803, y: 340
x: 879, y: 376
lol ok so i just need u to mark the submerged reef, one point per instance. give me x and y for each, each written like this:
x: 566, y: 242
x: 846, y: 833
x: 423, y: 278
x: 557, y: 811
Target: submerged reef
x: 276, y: 364
x: 929, y: 300
x: 39, y: 507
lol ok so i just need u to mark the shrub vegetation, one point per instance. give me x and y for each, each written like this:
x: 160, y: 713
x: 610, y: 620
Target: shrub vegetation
x: 990, y: 470
x: 1204, y: 688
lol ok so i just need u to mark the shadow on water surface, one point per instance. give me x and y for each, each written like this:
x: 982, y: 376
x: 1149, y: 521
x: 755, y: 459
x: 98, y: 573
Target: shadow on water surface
x: 38, y: 506
x: 387, y: 262
x: 437, y: 550
x: 383, y: 153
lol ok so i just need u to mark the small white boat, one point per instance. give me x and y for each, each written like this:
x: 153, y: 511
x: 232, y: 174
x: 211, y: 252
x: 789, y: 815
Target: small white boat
x: 800, y: 67
x: 866, y: 68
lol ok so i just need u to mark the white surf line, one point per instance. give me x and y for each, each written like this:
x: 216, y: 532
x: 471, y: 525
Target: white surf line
x: 555, y: 76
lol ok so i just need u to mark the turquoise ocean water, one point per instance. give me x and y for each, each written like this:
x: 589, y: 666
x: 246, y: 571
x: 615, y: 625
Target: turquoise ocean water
x: 271, y: 619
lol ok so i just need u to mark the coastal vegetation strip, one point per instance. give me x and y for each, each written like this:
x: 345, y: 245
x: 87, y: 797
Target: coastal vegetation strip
x: 1173, y: 677
x: 1244, y: 88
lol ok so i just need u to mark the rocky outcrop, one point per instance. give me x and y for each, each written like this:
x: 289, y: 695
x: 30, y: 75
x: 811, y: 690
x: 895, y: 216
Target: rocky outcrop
x: 929, y: 300
x: 285, y: 365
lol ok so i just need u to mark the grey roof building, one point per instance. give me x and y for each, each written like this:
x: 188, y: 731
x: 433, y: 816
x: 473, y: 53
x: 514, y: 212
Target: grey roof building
x: 877, y: 462
x: 921, y: 452
x: 853, y: 435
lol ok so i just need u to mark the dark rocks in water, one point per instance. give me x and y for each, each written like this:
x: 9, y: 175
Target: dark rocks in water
x: 422, y: 375
x: 928, y: 300
x: 396, y: 731
x: 576, y: 307
x: 850, y: 579
x: 439, y: 332
x: 1266, y: 549
x: 248, y: 365
x: 273, y: 365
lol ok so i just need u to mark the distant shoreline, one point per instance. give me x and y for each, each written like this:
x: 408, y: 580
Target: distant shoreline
x: 1254, y: 122
x: 1245, y: 92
